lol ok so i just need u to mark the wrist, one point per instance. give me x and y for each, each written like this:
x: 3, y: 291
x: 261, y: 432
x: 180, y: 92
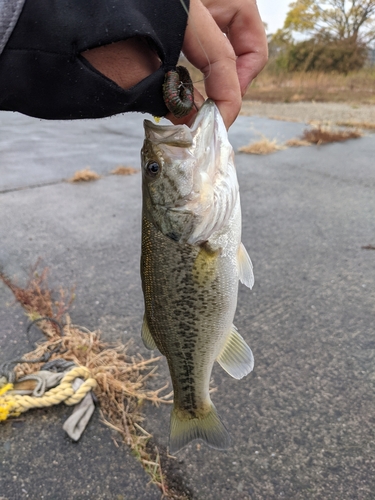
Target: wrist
x: 126, y: 62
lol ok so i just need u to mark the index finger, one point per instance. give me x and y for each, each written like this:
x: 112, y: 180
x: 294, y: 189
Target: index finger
x: 248, y: 37
x: 210, y: 51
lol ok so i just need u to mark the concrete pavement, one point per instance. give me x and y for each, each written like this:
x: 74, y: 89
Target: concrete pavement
x: 303, y: 422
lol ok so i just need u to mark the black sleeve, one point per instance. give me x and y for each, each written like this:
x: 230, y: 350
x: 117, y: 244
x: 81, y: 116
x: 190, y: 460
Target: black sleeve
x: 43, y: 75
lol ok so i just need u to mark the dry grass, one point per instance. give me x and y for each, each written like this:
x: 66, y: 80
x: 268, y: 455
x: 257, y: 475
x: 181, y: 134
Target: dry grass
x: 121, y: 170
x: 324, y: 135
x: 84, y: 175
x: 355, y: 124
x: 274, y: 85
x: 121, y: 388
x: 36, y: 297
x: 295, y: 143
x: 262, y: 147
x: 320, y: 134
x: 122, y: 378
x: 283, y: 119
x: 321, y: 123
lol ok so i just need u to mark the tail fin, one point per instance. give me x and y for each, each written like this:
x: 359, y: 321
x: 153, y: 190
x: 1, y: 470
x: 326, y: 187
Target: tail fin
x: 210, y: 429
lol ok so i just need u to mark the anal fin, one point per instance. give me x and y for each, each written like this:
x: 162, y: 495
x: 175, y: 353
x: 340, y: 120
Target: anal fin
x: 236, y: 357
x: 148, y: 341
x: 245, y: 267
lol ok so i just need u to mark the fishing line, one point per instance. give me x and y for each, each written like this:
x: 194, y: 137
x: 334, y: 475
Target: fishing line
x: 200, y: 43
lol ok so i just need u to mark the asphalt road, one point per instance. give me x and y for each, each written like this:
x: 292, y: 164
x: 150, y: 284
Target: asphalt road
x: 303, y: 422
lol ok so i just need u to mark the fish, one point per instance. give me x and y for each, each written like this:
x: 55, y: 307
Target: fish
x: 191, y: 261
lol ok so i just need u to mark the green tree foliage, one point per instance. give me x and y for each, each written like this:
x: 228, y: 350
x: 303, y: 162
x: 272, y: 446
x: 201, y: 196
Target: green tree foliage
x: 339, y: 33
x: 340, y: 19
x: 318, y: 54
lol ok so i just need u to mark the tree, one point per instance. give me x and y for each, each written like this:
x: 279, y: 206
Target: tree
x: 352, y: 20
x: 318, y: 54
x: 337, y: 35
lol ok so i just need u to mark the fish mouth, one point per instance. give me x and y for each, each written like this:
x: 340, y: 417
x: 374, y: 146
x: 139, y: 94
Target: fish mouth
x: 171, y: 135
x: 182, y: 135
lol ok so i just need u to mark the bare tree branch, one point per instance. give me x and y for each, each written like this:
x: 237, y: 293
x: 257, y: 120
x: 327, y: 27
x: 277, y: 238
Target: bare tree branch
x: 340, y: 19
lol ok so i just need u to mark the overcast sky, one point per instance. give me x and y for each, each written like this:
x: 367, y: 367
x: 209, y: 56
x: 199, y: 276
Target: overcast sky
x: 273, y: 13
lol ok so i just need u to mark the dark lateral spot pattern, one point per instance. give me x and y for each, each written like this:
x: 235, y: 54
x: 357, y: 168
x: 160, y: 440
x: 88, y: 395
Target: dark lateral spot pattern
x: 185, y: 306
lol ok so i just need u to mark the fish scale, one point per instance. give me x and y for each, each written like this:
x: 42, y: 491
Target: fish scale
x: 182, y: 317
x: 192, y: 259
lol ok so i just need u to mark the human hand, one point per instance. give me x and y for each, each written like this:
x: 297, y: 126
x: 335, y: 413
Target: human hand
x: 229, y: 63
x: 241, y: 22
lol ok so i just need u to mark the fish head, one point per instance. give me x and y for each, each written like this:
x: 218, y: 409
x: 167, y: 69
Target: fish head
x: 182, y: 173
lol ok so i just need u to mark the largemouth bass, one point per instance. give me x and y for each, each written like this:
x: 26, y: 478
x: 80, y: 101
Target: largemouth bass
x: 192, y: 259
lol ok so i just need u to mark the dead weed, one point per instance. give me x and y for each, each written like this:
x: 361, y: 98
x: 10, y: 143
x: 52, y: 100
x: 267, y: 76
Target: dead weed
x: 122, y: 378
x: 37, y: 298
x: 355, y: 124
x: 121, y: 170
x: 284, y: 119
x: 294, y: 143
x: 84, y: 175
x: 263, y: 147
x: 324, y: 135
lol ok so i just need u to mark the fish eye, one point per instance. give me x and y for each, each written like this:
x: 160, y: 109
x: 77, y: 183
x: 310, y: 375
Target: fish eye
x: 153, y: 168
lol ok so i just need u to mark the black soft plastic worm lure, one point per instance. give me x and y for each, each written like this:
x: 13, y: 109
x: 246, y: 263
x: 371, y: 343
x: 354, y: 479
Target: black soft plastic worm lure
x: 178, y: 92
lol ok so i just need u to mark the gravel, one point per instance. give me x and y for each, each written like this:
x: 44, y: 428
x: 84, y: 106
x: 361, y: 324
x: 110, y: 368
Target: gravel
x: 311, y: 111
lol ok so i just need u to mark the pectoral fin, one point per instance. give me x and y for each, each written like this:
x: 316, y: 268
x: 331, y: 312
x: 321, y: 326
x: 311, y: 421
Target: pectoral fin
x: 148, y: 341
x: 236, y: 357
x: 245, y: 267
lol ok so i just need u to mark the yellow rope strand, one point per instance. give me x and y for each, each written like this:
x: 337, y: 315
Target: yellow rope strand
x: 6, y: 388
x: 6, y: 408
x: 14, y: 404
